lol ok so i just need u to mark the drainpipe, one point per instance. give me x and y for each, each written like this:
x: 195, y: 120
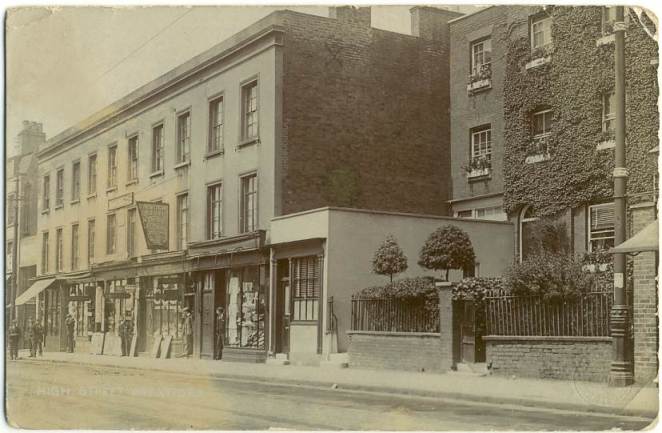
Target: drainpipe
x: 621, y: 372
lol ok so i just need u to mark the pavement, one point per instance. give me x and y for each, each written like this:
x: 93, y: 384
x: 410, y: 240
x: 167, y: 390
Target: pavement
x: 635, y: 400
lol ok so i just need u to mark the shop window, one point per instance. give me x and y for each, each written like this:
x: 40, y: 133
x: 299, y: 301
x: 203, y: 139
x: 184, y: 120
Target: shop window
x: 601, y: 233
x: 306, y: 286
x: 119, y: 296
x: 246, y: 307
x: 165, y: 303
x: 81, y: 306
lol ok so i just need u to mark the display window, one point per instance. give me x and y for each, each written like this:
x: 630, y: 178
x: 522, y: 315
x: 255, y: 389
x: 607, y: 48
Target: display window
x: 246, y: 307
x: 81, y: 307
x: 120, y: 301
x: 164, y: 297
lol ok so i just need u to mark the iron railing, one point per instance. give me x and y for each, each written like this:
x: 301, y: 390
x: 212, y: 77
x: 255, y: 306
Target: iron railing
x: 393, y: 315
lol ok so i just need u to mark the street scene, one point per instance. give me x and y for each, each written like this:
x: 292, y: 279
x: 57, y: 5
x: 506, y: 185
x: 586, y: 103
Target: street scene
x: 332, y: 218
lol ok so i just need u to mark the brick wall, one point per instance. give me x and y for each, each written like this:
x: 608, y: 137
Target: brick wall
x: 566, y: 358
x: 395, y: 350
x: 365, y: 117
x: 644, y: 313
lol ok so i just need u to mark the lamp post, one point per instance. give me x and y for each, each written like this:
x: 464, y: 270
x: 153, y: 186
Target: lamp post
x: 620, y: 373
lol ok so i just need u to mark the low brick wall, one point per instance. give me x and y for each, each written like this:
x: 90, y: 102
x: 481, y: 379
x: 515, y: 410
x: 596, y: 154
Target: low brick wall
x: 413, y: 351
x: 569, y: 358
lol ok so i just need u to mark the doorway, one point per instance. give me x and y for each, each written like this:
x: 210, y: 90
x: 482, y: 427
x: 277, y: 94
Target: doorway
x: 213, y: 296
x: 472, y: 347
x: 283, y: 308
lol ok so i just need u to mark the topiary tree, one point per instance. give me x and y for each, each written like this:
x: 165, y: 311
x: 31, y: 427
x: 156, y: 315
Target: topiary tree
x: 447, y: 248
x: 389, y: 258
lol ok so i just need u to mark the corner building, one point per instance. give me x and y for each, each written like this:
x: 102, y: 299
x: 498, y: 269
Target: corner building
x: 295, y: 112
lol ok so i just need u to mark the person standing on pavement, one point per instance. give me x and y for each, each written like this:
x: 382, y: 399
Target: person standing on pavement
x: 70, y: 324
x: 220, y: 333
x: 126, y: 334
x: 187, y: 330
x: 37, y: 337
x: 29, y: 336
x: 14, y: 335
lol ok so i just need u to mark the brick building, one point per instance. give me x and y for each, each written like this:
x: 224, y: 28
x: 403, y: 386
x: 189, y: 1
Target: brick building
x: 295, y: 112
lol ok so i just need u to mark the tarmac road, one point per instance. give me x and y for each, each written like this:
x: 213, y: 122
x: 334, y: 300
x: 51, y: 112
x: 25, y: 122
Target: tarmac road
x: 43, y: 395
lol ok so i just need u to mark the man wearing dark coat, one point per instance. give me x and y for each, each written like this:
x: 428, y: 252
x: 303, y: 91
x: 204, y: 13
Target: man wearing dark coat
x: 29, y: 337
x: 70, y: 324
x: 187, y: 330
x: 14, y: 333
x: 220, y: 333
x: 37, y: 338
x: 126, y: 334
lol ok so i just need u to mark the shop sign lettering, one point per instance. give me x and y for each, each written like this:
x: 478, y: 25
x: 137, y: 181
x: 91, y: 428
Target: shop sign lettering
x: 155, y: 223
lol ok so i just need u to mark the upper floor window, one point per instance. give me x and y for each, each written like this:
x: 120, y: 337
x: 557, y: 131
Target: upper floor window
x: 44, y: 253
x: 481, y: 145
x: 608, y: 114
x: 74, y: 247
x: 249, y: 111
x: 608, y: 19
x: 112, y: 166
x: 92, y: 174
x: 541, y: 32
x: 542, y: 122
x: 46, y: 193
x: 131, y: 232
x: 481, y: 57
x: 215, y: 125
x: 133, y: 158
x: 157, y: 148
x: 184, y: 137
x: 248, y: 221
x: 182, y: 221
x: 75, y: 181
x: 59, y: 250
x: 111, y: 234
x: 59, y: 188
x: 91, y: 238
x: 11, y: 209
x: 215, y: 211
x: 601, y: 233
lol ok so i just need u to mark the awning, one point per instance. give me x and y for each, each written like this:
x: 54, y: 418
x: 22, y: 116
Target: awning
x: 645, y: 240
x: 36, y: 288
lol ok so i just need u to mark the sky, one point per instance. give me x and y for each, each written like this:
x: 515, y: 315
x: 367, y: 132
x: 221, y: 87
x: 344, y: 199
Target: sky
x: 66, y: 63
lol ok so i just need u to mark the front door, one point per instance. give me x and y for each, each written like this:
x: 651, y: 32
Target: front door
x: 283, y: 318
x: 467, y: 333
x: 207, y: 316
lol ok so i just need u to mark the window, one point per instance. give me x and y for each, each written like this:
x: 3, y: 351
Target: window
x: 59, y: 250
x: 527, y: 233
x: 306, y: 287
x: 157, y: 148
x: 215, y: 211
x: 215, y: 125
x: 495, y: 213
x: 542, y: 122
x: 46, y: 197
x: 111, y: 237
x: 44, y: 253
x: 112, y: 166
x: 59, y: 188
x: 608, y: 19
x: 601, y: 233
x: 468, y: 213
x: 133, y: 158
x: 91, y: 235
x: 541, y: 32
x: 11, y: 210
x: 481, y: 144
x: 27, y: 211
x: 608, y: 114
x: 75, y: 181
x: 74, y: 247
x: 481, y: 56
x: 92, y: 174
x: 131, y: 232
x: 248, y: 221
x: 249, y: 111
x: 183, y: 137
x: 182, y: 221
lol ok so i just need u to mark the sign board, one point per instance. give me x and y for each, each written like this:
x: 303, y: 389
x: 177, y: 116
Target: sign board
x: 118, y: 295
x: 97, y: 343
x: 165, y: 347
x: 155, y: 224
x: 156, y: 347
x: 79, y: 298
x: 134, y: 342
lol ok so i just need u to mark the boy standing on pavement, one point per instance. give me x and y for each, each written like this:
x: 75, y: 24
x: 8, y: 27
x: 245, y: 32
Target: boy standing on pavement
x: 14, y: 334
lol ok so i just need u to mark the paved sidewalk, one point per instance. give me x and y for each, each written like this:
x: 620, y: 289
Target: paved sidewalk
x: 554, y: 394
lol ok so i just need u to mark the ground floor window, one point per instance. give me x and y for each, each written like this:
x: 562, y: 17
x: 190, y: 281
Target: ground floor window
x: 81, y: 306
x: 527, y: 233
x: 52, y: 311
x: 120, y: 300
x: 306, y: 287
x: 246, y: 307
x: 164, y: 298
x: 601, y: 232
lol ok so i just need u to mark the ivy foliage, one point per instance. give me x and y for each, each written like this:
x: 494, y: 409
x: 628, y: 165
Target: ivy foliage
x: 389, y: 258
x: 572, y: 84
x: 448, y: 247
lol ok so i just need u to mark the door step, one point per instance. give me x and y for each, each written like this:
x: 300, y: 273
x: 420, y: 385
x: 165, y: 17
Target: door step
x: 473, y: 369
x: 279, y: 359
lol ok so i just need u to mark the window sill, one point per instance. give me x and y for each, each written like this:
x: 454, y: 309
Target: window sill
x: 605, y: 40
x: 60, y: 206
x: 45, y: 211
x: 605, y: 145
x: 247, y: 142
x: 156, y: 174
x: 540, y: 61
x: 214, y: 153
x: 74, y: 201
x: 132, y: 182
x: 479, y: 86
x: 478, y: 174
x: 91, y: 196
x: 111, y: 189
x: 182, y: 165
x: 541, y: 157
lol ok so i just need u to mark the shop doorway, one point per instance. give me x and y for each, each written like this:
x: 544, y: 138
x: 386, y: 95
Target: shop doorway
x: 213, y: 296
x: 283, y: 308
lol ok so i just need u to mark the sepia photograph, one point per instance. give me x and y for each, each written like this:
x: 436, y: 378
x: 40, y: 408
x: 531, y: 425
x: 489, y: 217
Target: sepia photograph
x: 331, y: 217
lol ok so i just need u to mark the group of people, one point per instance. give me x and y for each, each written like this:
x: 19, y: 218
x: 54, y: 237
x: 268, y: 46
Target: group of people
x: 34, y: 333
x: 187, y: 331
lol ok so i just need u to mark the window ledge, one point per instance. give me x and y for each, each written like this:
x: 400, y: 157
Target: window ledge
x: 214, y: 153
x: 111, y: 189
x: 76, y: 201
x: 156, y: 174
x: 541, y: 157
x: 45, y: 211
x: 182, y: 165
x: 479, y: 86
x: 605, y: 40
x: 91, y: 196
x: 248, y: 141
x: 538, y: 62
x: 478, y: 174
x: 132, y: 182
x: 60, y: 206
x: 607, y: 144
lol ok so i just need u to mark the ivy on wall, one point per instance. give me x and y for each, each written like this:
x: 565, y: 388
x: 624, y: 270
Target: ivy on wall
x: 572, y: 85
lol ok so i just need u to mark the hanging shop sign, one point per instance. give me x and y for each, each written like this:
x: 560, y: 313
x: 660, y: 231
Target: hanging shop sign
x: 166, y: 295
x: 155, y: 223
x: 119, y: 295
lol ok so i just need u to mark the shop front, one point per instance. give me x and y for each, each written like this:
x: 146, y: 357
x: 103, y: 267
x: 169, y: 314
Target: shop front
x: 81, y: 304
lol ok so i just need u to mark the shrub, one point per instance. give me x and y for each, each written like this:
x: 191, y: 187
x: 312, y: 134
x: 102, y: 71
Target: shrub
x: 475, y: 288
x: 448, y: 247
x: 407, y: 289
x: 389, y: 259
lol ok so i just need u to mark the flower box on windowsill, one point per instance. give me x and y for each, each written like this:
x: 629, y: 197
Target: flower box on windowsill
x: 479, y: 85
x: 606, y: 144
x: 478, y: 173
x: 535, y: 63
x: 605, y: 40
x: 540, y: 157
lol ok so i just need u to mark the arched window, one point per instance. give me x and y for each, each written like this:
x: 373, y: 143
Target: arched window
x: 526, y: 220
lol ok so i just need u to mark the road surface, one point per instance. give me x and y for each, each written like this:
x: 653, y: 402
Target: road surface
x: 43, y: 395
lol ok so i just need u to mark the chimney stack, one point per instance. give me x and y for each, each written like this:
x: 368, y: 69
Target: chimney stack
x: 31, y: 138
x: 431, y: 23
x: 356, y: 15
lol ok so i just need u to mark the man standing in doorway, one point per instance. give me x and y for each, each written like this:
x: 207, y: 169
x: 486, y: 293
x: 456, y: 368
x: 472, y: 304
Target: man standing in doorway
x: 14, y: 334
x: 37, y: 337
x: 187, y: 330
x: 126, y: 334
x: 220, y: 333
x: 70, y: 324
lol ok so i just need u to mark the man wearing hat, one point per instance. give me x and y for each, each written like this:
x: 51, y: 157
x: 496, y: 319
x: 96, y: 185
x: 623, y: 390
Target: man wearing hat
x: 14, y: 334
x: 187, y: 330
x: 70, y: 325
x: 220, y: 333
x: 126, y: 334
